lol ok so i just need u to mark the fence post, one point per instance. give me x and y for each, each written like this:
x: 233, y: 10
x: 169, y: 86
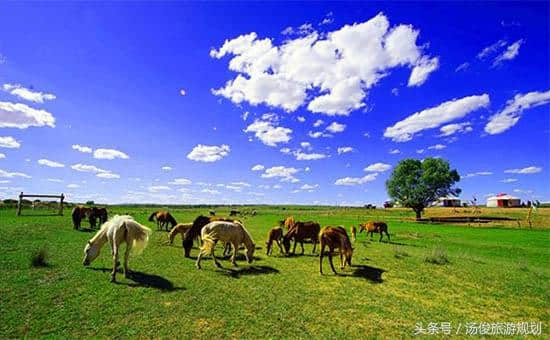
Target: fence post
x: 61, y: 204
x: 20, y: 204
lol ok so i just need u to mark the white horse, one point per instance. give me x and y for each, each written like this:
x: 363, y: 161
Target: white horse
x: 226, y: 232
x: 117, y: 230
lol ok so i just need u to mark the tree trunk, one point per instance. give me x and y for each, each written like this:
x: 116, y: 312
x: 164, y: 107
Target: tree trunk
x: 418, y: 214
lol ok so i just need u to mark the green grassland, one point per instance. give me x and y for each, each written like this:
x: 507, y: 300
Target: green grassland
x: 494, y: 274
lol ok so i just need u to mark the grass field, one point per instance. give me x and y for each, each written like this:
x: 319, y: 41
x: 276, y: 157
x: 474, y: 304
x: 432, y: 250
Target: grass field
x: 495, y: 273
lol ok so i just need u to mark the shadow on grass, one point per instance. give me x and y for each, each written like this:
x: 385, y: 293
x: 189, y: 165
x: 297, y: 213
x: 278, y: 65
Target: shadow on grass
x: 249, y: 270
x: 144, y: 280
x: 86, y: 230
x: 372, y: 274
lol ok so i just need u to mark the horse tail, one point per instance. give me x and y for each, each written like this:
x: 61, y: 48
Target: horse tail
x: 151, y: 218
x: 140, y: 236
x: 208, y: 242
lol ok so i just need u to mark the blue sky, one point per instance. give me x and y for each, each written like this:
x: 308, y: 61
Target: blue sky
x: 178, y: 102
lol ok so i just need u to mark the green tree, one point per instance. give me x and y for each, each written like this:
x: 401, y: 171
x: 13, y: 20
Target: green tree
x: 417, y: 183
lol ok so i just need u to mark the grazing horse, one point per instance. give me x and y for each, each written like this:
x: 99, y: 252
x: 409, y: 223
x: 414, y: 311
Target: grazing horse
x: 163, y: 217
x: 95, y: 213
x: 375, y: 227
x: 118, y: 230
x: 180, y: 228
x: 227, y: 232
x: 335, y: 238
x: 195, y: 231
x: 274, y: 235
x: 288, y: 222
x: 300, y: 232
x: 78, y: 214
x: 234, y: 213
x: 353, y: 232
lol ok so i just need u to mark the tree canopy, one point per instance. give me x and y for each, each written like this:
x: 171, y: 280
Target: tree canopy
x: 417, y: 183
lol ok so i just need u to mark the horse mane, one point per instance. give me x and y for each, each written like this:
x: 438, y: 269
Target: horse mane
x: 152, y: 215
x: 171, y: 219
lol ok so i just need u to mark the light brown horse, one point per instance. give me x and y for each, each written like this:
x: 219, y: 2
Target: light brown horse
x: 375, y: 227
x: 335, y: 238
x: 180, y: 228
x: 163, y: 217
x: 353, y: 232
x: 288, y: 222
x: 274, y: 235
x: 195, y: 231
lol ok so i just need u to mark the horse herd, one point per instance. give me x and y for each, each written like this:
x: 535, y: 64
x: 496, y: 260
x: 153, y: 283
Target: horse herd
x: 209, y: 230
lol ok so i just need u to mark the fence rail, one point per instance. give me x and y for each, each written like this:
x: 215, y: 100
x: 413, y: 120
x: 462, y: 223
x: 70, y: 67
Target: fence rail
x: 21, y: 196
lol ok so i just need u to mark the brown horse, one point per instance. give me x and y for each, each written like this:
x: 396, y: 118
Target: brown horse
x: 274, y: 235
x: 335, y: 238
x: 353, y: 232
x: 79, y: 213
x: 96, y: 213
x: 195, y: 231
x: 375, y: 227
x: 163, y: 217
x: 300, y: 232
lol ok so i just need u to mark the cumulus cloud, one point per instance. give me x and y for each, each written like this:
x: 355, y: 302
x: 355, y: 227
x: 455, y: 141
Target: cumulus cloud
x: 7, y: 174
x: 511, y: 52
x: 286, y: 174
x: 437, y: 147
x: 27, y: 94
x: 182, y: 92
x: 107, y: 175
x: 378, y: 167
x: 21, y: 116
x: 51, y: 164
x: 87, y: 168
x: 181, y: 181
x: 513, y: 111
x: 451, y: 129
x: 158, y: 188
x: 257, y: 167
x: 318, y: 123
x: 81, y: 148
x: 9, y: 142
x: 527, y: 170
x: 268, y: 133
x: 337, y: 68
x: 309, y: 186
x: 350, y: 181
x: 335, y: 127
x: 318, y: 134
x: 208, y: 153
x: 434, y: 117
x: 306, y: 145
x: 344, y: 149
x: 302, y: 156
x: 109, y: 154
x: 301, y: 119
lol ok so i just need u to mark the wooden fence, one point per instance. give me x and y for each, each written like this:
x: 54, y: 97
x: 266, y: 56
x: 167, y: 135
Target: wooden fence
x: 21, y: 196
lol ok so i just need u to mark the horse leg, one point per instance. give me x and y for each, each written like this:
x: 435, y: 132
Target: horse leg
x: 302, y: 244
x: 380, y: 240
x: 214, y: 257
x: 268, y: 247
x: 388, y: 235
x: 321, y: 258
x: 330, y: 250
x: 341, y: 260
x: 280, y: 248
x: 314, y: 245
x: 234, y: 257
x: 115, y: 263
x: 198, y: 263
x: 294, y: 249
x: 126, y: 254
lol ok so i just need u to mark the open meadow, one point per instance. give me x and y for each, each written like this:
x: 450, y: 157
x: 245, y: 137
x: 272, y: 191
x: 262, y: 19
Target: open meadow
x: 427, y: 273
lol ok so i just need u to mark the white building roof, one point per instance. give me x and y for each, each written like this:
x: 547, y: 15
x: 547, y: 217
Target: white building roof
x: 502, y: 197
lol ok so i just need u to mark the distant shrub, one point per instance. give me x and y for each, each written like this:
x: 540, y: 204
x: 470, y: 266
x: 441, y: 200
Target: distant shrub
x: 39, y: 257
x: 437, y: 256
x: 90, y: 203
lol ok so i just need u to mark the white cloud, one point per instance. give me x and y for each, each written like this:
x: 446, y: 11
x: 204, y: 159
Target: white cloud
x: 107, y: 175
x: 7, y: 174
x: 479, y: 173
x: 309, y: 186
x: 527, y: 170
x: 344, y: 149
x: 491, y: 49
x: 350, y: 181
x: 318, y: 123
x: 378, y: 167
x: 241, y: 184
x: 451, y: 129
x: 513, y: 111
x: 395, y: 91
x: 302, y: 156
x: 158, y: 188
x: 462, y: 67
x: 335, y: 127
x: 182, y: 92
x: 286, y: 151
x: 301, y: 119
x: 258, y: 167
x: 21, y: 116
x: 509, y: 180
x: 2, y: 155
x: 337, y: 68
x: 9, y: 142
x: 208, y: 153
x: 210, y: 191
x: 181, y: 181
x: 286, y: 174
x: 318, y: 134
x: 73, y: 186
x: 81, y: 148
x: 269, y: 134
x: 511, y: 52
x: 433, y: 117
x: 306, y: 145
x: 437, y: 147
x: 87, y: 168
x: 51, y: 164
x: 27, y: 94
x: 109, y: 154
x: 54, y: 180
x: 166, y: 168
x: 395, y: 151
x: 420, y: 151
